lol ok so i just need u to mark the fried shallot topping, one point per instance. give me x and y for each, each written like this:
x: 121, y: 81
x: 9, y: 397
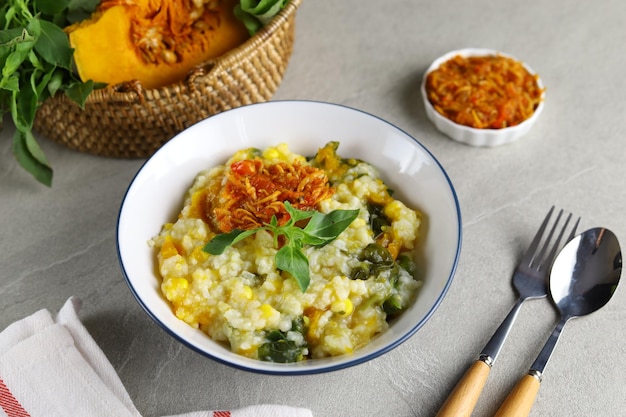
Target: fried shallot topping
x: 484, y: 92
x: 253, y: 193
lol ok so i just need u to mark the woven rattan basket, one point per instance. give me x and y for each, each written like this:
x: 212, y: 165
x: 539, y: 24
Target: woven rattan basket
x: 128, y: 121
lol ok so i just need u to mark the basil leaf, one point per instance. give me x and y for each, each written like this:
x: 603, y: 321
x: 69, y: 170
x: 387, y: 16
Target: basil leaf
x: 6, y: 15
x: 24, y: 145
x: 9, y: 37
x: 314, y: 240
x: 54, y: 46
x: 249, y: 21
x: 219, y: 243
x: 13, y: 62
x: 86, y: 5
x: 35, y: 63
x: 79, y: 10
x: 35, y: 150
x: 290, y: 258
x: 34, y: 28
x: 55, y: 83
x: 262, y: 7
x: 320, y: 230
x: 41, y: 83
x: 245, y: 234
x: 79, y: 92
x: 257, y: 13
x: 292, y: 233
x: 51, y: 7
x: 21, y: 46
x: 327, y: 227
x: 25, y: 106
x: 296, y: 214
x: 267, y: 16
x: 11, y: 83
x: 274, y: 221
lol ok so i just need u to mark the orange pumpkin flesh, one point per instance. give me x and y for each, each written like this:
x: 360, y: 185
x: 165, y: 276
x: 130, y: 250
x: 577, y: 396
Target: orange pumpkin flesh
x: 156, y: 42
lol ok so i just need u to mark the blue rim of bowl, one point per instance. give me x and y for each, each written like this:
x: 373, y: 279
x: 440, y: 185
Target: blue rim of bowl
x: 288, y: 370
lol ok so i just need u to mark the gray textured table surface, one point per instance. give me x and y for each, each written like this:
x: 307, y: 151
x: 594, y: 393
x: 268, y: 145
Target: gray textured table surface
x: 371, y: 55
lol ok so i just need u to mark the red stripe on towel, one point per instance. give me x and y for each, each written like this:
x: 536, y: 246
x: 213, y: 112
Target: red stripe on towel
x: 221, y: 413
x: 9, y: 404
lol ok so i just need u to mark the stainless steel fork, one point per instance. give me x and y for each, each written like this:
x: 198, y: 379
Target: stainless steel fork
x: 530, y: 281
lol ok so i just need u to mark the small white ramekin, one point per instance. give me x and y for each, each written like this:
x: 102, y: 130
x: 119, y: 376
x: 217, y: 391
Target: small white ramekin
x: 469, y: 135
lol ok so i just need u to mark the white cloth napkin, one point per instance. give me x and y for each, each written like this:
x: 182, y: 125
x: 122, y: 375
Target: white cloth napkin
x: 52, y: 367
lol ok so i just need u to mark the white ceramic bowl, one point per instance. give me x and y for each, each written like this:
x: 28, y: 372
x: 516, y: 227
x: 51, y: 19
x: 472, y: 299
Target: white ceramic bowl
x: 470, y: 135
x: 155, y: 197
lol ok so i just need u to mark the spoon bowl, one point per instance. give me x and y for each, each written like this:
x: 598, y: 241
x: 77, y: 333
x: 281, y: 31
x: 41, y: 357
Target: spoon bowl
x: 583, y: 279
x: 586, y: 273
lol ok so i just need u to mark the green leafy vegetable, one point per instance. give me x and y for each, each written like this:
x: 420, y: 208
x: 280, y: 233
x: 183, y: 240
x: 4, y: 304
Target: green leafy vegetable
x: 320, y: 230
x: 376, y: 261
x: 378, y: 220
x: 280, y: 349
x: 257, y: 13
x: 36, y: 62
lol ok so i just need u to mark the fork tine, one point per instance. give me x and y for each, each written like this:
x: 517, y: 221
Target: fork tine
x: 573, y: 232
x: 547, y: 262
x: 538, y: 258
x: 532, y: 248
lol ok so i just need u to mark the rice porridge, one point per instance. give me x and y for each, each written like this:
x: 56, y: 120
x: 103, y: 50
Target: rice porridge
x: 286, y: 258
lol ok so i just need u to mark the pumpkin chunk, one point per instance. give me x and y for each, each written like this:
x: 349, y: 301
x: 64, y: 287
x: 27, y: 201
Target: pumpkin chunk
x: 156, y: 42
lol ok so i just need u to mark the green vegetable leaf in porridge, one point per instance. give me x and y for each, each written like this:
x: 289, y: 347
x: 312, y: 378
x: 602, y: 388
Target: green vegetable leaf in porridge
x: 320, y: 230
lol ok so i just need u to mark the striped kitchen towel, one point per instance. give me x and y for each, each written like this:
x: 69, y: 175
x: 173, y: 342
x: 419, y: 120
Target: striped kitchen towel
x: 52, y: 367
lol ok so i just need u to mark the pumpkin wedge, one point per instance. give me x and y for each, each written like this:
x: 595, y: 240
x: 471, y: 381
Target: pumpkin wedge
x: 156, y: 42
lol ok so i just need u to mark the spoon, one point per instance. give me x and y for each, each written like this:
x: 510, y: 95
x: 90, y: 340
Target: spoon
x: 583, y: 278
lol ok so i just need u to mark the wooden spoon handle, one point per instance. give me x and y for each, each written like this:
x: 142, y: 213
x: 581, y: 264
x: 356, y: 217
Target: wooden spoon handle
x: 463, y: 398
x: 521, y: 399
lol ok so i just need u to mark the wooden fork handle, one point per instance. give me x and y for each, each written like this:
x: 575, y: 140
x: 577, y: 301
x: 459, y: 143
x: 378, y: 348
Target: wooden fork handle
x: 463, y: 398
x: 521, y: 399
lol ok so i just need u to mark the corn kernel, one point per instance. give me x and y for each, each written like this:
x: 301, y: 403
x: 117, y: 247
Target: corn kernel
x: 268, y: 311
x: 357, y: 223
x: 270, y: 153
x: 183, y: 313
x: 175, y: 288
x: 248, y: 350
x: 342, y: 307
x: 247, y: 292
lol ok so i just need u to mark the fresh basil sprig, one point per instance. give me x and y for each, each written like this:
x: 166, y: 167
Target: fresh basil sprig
x: 36, y: 63
x: 320, y: 230
x: 257, y: 13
